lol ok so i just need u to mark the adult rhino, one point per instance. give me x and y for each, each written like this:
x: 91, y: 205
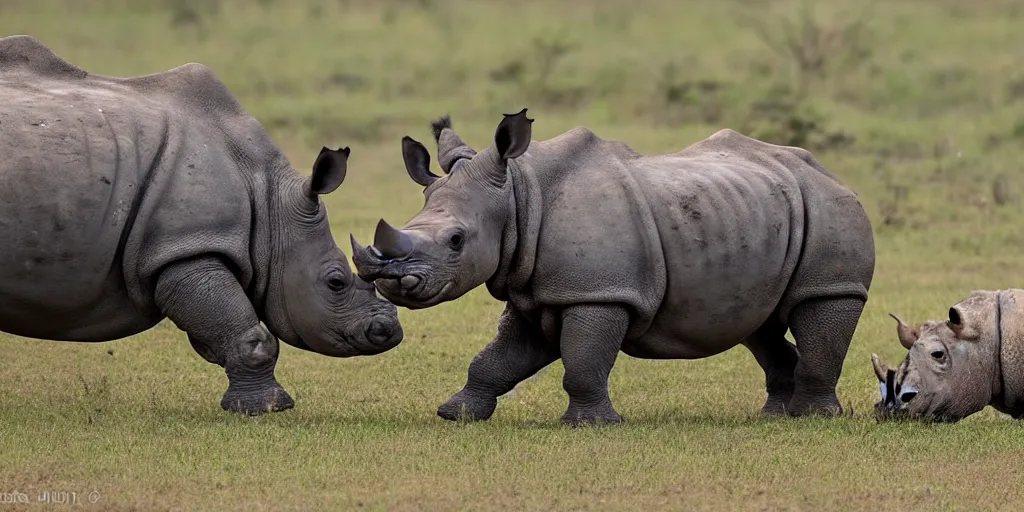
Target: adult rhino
x: 127, y: 200
x: 954, y: 368
x: 597, y: 249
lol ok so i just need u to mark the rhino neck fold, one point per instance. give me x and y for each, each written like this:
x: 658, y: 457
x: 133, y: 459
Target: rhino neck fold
x: 519, y: 237
x: 268, y: 243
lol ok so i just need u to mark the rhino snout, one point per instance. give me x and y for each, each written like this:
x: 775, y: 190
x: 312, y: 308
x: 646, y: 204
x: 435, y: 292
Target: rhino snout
x: 384, y: 332
x: 372, y: 264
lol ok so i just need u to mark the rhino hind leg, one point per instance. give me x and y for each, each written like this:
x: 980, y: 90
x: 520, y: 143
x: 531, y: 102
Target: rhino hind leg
x: 202, y: 298
x: 778, y: 358
x: 591, y: 338
x: 823, y: 329
x: 518, y: 351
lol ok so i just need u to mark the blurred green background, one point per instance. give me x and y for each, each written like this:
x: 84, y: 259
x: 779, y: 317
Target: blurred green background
x: 917, y: 105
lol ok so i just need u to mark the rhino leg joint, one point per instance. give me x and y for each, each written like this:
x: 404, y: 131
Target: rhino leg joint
x: 517, y: 352
x: 591, y: 338
x: 823, y: 329
x: 252, y: 387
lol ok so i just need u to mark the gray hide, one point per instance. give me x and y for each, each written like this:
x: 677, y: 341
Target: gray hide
x: 597, y: 249
x: 954, y: 368
x: 127, y: 200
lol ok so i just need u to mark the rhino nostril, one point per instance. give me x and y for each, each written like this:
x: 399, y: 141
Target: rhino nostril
x: 908, y: 396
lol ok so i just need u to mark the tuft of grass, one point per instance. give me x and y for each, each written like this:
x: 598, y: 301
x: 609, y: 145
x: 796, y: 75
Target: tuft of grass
x: 917, y: 106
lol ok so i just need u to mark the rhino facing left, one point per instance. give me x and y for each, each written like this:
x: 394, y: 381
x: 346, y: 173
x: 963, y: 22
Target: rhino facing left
x: 956, y: 367
x: 124, y: 201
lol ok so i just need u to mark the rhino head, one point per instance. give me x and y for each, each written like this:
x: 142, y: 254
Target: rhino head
x: 314, y: 301
x: 952, y: 368
x: 454, y: 243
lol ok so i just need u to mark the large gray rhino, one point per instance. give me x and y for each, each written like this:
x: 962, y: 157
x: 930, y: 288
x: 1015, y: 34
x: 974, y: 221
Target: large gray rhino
x: 597, y: 249
x: 127, y: 200
x: 954, y: 368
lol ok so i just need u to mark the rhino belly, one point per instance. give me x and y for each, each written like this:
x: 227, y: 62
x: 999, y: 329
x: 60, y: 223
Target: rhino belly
x: 67, y: 189
x: 730, y: 241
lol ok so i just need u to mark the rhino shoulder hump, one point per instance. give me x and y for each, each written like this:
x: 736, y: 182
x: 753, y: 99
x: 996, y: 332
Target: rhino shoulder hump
x: 581, y: 133
x: 23, y: 53
x: 194, y: 84
x: 727, y: 133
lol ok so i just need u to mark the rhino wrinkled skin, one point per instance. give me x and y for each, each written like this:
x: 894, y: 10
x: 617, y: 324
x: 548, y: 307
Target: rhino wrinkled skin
x: 596, y: 249
x: 124, y: 201
x: 954, y: 368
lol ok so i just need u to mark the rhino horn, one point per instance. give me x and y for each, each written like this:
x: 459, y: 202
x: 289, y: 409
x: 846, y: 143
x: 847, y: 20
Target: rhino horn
x: 357, y: 248
x: 907, y: 335
x: 391, y: 243
x: 879, y: 367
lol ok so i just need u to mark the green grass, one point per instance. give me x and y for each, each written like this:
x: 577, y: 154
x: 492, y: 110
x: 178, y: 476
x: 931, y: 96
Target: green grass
x: 921, y: 112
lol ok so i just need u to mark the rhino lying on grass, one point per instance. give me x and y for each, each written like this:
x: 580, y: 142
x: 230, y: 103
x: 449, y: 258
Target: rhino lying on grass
x: 127, y: 200
x: 954, y: 368
x: 597, y: 249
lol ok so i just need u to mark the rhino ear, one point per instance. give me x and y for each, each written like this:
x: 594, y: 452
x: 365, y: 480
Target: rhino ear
x: 417, y: 162
x: 513, y: 135
x: 328, y: 171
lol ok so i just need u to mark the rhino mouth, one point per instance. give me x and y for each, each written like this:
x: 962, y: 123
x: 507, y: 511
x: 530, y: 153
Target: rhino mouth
x: 414, y: 297
x: 403, y: 281
x: 892, y: 408
x: 380, y: 333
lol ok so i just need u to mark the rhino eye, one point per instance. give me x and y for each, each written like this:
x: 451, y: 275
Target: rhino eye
x: 456, y: 241
x: 336, y: 283
x: 938, y: 355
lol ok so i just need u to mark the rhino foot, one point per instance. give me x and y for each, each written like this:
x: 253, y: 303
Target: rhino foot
x: 800, y: 406
x: 598, y: 415
x: 775, y: 406
x: 252, y: 402
x: 465, y: 406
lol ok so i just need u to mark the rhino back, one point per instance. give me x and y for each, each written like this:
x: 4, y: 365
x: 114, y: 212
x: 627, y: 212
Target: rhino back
x: 704, y: 245
x: 105, y: 180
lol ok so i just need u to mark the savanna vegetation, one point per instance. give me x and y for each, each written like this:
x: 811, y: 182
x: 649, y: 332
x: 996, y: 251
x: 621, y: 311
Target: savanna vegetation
x: 918, y: 105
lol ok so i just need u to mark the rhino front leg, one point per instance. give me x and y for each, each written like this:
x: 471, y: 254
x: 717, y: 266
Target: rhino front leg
x: 778, y: 358
x: 592, y: 336
x: 518, y: 351
x: 823, y: 329
x: 203, y: 298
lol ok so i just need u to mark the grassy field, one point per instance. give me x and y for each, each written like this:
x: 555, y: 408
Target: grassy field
x: 918, y: 105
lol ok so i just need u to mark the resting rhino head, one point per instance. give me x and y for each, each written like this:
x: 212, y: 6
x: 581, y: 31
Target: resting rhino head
x: 454, y: 243
x: 953, y: 368
x: 314, y: 300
